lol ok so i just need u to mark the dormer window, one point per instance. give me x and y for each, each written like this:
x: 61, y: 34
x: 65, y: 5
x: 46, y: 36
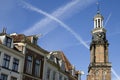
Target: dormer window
x: 34, y: 40
x: 8, y: 42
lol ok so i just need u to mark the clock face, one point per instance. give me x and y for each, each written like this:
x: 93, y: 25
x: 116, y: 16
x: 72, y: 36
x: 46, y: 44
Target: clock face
x: 101, y: 35
x: 98, y: 36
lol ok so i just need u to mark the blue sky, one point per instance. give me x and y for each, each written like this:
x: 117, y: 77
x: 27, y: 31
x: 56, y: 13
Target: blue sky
x: 65, y: 25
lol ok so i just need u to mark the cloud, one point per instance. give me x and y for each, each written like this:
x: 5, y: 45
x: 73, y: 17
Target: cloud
x: 60, y: 22
x: 62, y: 13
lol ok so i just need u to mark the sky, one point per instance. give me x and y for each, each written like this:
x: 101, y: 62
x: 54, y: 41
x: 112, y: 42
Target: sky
x: 65, y: 25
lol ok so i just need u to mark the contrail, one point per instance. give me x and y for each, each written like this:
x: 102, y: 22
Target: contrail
x: 115, y: 74
x: 64, y: 26
x: 60, y: 22
x: 61, y: 13
x: 108, y: 18
x: 46, y: 21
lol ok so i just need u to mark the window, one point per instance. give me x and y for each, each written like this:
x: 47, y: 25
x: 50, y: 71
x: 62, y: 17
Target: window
x: 3, y: 77
x: 13, y: 78
x: 15, y: 64
x: 6, y: 61
x: 29, y: 64
x: 98, y: 22
x: 97, y: 74
x: 48, y: 74
x: 37, y: 68
x: 8, y: 42
x: 34, y: 40
x: 0, y: 53
x: 65, y: 78
x: 60, y: 77
x: 57, y: 60
x: 54, y: 75
x: 104, y: 75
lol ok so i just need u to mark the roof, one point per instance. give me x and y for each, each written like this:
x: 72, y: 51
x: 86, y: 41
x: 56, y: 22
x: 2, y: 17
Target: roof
x: 61, y: 55
x: 26, y: 39
x: 18, y: 38
x: 98, y: 15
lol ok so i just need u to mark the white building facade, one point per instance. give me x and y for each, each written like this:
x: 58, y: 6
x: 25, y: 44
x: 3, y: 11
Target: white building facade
x: 52, y: 71
x: 11, y: 61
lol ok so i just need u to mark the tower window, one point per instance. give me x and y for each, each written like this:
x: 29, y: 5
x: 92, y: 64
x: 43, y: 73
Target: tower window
x: 99, y: 23
x: 104, y: 75
x: 96, y: 23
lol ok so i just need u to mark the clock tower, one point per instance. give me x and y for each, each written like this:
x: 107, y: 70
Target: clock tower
x: 99, y: 67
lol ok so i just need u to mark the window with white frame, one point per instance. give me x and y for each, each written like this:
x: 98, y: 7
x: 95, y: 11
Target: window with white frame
x: 8, y: 41
x: 37, y: 68
x: 48, y: 74
x: 29, y: 64
x: 15, y: 64
x: 4, y: 77
x: 6, y: 61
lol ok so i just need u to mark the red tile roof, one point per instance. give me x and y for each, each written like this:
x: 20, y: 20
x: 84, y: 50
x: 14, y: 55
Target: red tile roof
x: 26, y: 39
x: 18, y: 37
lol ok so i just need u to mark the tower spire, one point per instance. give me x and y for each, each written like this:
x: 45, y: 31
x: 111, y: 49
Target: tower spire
x: 98, y: 18
x: 98, y: 7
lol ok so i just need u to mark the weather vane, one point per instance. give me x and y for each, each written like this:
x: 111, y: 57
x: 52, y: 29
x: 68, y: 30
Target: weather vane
x: 98, y: 7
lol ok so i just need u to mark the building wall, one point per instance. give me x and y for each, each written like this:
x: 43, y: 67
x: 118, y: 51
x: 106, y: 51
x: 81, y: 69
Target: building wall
x: 30, y: 55
x: 13, y: 54
x: 35, y: 56
x: 53, y: 69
